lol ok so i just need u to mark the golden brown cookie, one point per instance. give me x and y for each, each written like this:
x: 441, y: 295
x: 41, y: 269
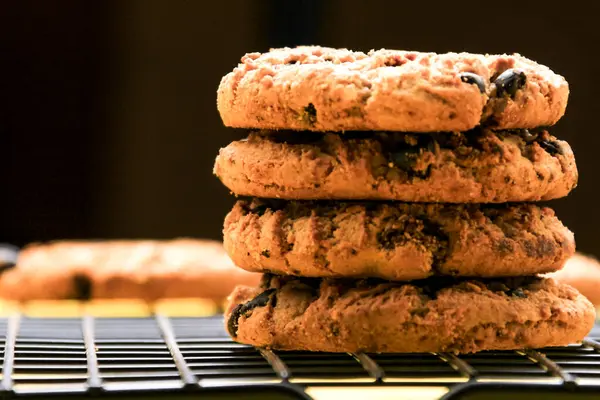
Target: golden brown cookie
x: 395, y: 241
x: 435, y: 315
x: 144, y: 269
x: 480, y: 166
x: 324, y: 89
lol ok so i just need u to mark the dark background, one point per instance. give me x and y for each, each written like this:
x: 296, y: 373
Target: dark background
x: 108, y: 120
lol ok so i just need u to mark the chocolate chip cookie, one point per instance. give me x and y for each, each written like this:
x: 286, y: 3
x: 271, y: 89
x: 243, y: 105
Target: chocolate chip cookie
x: 478, y: 166
x: 145, y: 269
x: 434, y: 315
x: 324, y: 89
x: 395, y: 241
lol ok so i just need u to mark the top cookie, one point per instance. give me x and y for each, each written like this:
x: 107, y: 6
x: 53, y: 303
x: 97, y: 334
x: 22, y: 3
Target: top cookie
x: 325, y: 89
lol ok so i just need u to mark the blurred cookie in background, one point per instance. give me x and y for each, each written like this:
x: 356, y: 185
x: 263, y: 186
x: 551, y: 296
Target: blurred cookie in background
x: 583, y: 273
x: 126, y: 269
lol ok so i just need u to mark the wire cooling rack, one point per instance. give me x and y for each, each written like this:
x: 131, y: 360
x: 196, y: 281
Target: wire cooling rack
x: 194, y: 358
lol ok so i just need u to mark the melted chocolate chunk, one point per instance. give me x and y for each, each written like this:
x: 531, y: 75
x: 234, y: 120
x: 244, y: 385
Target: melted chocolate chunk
x: 309, y: 114
x: 404, y: 151
x: 82, y: 287
x: 242, y: 309
x: 473, y: 79
x: 552, y: 147
x: 509, y: 82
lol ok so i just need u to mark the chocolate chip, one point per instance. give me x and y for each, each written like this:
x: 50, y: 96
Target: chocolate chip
x: 473, y: 79
x: 82, y: 287
x: 265, y: 281
x: 265, y: 253
x: 242, y: 309
x: 509, y: 82
x: 309, y: 115
x: 273, y: 301
x: 551, y: 147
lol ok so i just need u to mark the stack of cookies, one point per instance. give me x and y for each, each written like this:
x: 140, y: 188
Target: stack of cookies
x: 389, y: 202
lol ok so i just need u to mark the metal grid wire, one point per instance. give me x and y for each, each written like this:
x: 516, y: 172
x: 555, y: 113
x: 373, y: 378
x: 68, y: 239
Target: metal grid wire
x: 103, y: 356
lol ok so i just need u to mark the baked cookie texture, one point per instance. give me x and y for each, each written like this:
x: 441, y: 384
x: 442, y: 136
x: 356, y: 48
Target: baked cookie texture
x: 389, y: 205
x: 324, y: 89
x: 395, y: 241
x: 479, y: 166
x: 583, y: 273
x: 145, y: 269
x: 435, y: 315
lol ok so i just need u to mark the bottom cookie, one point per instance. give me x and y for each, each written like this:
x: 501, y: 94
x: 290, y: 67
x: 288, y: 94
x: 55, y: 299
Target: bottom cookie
x: 432, y: 315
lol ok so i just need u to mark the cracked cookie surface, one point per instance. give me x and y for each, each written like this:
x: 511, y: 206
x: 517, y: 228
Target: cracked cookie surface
x: 395, y: 241
x: 478, y: 166
x: 325, y: 89
x: 434, y: 315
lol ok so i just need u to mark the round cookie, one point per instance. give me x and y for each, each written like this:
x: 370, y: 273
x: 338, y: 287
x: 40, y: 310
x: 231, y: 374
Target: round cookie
x: 324, y: 89
x: 435, y: 315
x: 479, y: 166
x: 395, y: 241
x: 583, y: 273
